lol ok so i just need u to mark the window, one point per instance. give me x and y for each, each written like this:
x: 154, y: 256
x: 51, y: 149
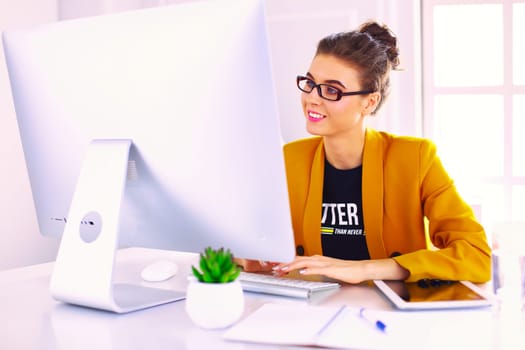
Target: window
x: 474, y: 99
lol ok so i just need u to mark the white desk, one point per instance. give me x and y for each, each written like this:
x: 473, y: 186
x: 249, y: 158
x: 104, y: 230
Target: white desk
x: 31, y: 319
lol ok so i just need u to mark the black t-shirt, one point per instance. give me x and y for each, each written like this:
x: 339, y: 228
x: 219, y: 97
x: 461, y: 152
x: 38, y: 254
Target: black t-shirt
x: 342, y: 226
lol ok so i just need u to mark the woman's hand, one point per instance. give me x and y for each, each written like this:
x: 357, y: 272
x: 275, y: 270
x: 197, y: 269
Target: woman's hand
x: 350, y: 271
x: 255, y: 265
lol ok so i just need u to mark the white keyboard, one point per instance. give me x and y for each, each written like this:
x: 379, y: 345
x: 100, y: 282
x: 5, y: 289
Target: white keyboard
x: 269, y: 284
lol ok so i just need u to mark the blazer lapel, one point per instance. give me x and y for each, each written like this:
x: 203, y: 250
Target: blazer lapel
x: 312, y: 211
x: 373, y: 194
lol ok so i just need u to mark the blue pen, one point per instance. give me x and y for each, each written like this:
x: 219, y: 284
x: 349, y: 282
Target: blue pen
x: 376, y: 323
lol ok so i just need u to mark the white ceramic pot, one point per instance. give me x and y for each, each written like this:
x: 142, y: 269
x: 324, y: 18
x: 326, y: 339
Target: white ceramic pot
x: 214, y: 305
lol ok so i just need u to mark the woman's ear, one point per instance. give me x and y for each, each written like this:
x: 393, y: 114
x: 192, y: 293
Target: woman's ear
x: 371, y: 102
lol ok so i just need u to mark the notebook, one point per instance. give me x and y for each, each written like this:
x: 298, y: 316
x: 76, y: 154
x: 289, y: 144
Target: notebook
x: 343, y: 327
x: 311, y: 325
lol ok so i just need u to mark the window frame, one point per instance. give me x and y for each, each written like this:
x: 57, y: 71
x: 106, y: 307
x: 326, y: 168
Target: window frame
x: 507, y: 90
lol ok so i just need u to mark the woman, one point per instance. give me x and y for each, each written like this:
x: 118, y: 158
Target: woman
x: 359, y: 198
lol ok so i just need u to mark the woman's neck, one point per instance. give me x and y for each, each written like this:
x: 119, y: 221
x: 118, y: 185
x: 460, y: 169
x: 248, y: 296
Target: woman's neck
x: 345, y: 152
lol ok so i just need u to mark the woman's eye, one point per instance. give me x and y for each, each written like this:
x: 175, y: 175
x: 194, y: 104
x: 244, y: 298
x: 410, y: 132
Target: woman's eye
x: 309, y: 84
x: 332, y: 91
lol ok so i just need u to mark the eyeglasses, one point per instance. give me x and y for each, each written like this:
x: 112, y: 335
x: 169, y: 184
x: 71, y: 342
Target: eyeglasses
x: 326, y: 91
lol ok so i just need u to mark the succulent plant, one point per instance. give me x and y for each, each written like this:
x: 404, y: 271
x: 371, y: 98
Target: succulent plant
x: 216, y: 266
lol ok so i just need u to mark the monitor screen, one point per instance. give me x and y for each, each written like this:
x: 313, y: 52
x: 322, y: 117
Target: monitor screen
x: 190, y: 87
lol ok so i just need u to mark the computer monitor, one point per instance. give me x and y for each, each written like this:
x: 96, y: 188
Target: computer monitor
x: 154, y: 128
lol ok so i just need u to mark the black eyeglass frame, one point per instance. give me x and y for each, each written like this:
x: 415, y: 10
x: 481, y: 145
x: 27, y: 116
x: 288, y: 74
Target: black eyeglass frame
x: 340, y: 93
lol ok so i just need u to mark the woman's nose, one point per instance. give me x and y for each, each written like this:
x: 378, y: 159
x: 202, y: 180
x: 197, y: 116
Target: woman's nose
x: 313, y: 97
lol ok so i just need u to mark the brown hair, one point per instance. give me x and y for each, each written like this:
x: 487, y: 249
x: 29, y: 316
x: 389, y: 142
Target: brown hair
x: 372, y: 49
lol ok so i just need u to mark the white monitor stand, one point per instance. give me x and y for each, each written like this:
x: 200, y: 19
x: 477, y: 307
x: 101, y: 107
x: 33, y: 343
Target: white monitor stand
x: 83, y: 273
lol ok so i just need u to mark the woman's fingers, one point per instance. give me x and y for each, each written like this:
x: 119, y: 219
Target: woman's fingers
x: 303, y: 262
x: 249, y: 265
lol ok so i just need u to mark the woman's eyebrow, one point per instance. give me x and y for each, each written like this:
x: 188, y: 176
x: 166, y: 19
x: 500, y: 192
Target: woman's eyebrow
x: 330, y: 81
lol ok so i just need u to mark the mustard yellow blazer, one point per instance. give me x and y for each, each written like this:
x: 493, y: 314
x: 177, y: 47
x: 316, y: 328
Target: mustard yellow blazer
x: 403, y: 182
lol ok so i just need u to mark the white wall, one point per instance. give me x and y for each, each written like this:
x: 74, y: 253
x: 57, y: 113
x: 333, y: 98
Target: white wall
x: 20, y: 241
x: 295, y: 26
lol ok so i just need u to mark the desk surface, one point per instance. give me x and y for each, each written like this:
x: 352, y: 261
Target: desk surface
x: 31, y: 319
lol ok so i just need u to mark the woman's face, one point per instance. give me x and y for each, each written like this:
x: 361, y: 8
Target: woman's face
x: 332, y: 118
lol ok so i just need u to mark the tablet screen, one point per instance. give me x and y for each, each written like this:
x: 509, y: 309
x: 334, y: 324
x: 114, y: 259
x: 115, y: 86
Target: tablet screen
x: 415, y: 292
x: 418, y: 295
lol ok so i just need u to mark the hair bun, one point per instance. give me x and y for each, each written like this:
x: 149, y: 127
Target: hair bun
x: 383, y: 35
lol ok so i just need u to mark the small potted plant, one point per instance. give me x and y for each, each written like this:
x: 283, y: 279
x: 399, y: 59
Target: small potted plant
x: 214, y: 298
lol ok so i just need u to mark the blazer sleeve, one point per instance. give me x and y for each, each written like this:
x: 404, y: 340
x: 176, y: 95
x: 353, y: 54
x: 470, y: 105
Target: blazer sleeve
x: 460, y: 251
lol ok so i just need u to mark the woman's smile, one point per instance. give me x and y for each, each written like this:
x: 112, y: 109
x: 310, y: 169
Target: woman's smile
x: 314, y: 116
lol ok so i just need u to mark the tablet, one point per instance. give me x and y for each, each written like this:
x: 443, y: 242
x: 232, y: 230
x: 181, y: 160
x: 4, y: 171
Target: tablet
x: 434, y: 294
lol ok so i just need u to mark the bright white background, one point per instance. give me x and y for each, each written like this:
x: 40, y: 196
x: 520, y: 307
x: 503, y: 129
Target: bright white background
x: 295, y: 26
x: 474, y: 100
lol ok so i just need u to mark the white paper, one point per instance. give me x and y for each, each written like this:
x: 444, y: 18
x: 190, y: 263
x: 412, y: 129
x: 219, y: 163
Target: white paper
x: 326, y: 326
x: 283, y: 324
